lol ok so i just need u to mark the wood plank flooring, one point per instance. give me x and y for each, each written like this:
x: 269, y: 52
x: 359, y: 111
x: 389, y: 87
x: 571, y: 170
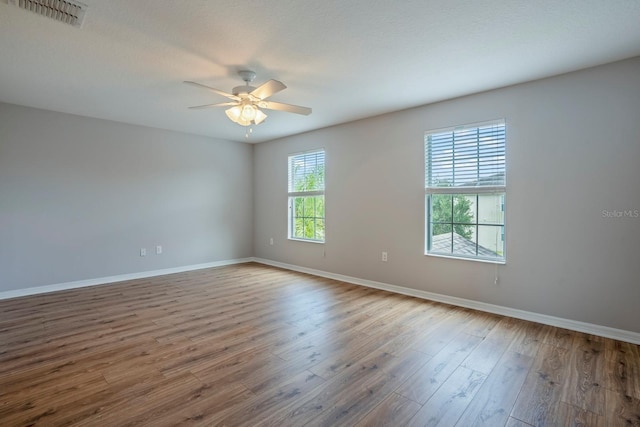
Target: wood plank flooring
x: 252, y: 345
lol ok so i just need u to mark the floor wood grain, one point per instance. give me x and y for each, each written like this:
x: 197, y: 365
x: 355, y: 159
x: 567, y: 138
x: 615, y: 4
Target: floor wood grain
x: 252, y: 345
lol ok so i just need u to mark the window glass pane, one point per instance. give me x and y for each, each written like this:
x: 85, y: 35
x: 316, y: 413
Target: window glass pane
x: 299, y: 228
x: 309, y: 228
x: 441, y: 208
x: 309, y: 210
x: 320, y: 206
x: 461, y: 234
x: 490, y: 239
x: 441, y: 243
x: 308, y: 217
x: 464, y: 244
x: 320, y: 229
x: 491, y: 208
x: 443, y: 228
x: 299, y: 207
x: 464, y: 208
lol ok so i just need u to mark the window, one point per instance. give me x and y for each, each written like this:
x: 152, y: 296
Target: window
x: 306, y: 196
x: 465, y: 187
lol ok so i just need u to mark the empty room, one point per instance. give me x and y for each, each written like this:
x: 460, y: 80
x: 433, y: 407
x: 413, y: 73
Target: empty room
x: 336, y: 213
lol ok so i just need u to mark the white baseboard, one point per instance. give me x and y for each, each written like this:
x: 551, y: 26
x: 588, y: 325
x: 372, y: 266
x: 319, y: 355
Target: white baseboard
x: 574, y: 325
x: 119, y: 278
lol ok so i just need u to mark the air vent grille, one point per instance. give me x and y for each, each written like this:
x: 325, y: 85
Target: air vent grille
x: 66, y: 11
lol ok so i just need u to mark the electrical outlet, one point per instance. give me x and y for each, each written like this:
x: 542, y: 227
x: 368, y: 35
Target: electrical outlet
x: 271, y: 241
x: 158, y: 250
x: 384, y: 256
x: 143, y: 251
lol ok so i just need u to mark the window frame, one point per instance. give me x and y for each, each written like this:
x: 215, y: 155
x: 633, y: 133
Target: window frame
x: 477, y: 191
x: 292, y: 195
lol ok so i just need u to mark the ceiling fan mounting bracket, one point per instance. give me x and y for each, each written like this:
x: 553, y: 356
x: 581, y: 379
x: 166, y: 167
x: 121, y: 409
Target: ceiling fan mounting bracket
x: 247, y: 75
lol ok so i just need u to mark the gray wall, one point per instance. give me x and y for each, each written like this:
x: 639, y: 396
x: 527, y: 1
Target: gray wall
x: 79, y: 197
x: 573, y: 144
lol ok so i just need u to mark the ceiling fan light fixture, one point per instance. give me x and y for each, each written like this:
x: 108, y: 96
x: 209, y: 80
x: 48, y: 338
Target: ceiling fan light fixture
x: 234, y: 113
x: 260, y: 116
x: 249, y: 112
x: 245, y: 115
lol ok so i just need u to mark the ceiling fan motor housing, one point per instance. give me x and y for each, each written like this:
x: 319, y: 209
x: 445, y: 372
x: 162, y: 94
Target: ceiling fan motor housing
x: 248, y: 76
x: 242, y: 90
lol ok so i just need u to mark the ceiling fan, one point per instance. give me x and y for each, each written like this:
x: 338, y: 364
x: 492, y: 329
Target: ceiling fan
x: 247, y: 101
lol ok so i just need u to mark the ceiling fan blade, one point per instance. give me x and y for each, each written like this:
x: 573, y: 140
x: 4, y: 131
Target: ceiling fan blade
x: 219, y: 92
x: 267, y: 89
x: 285, y: 107
x: 222, y: 104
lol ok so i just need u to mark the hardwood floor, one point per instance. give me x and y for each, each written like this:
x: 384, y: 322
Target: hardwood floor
x: 259, y: 346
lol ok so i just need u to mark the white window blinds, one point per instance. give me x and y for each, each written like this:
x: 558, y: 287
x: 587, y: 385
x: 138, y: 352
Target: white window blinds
x: 469, y: 156
x: 306, y: 172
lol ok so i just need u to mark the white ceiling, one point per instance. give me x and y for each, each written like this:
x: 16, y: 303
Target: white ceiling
x: 347, y: 59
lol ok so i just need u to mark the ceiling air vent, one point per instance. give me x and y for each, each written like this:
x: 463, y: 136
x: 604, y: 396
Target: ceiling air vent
x: 66, y: 11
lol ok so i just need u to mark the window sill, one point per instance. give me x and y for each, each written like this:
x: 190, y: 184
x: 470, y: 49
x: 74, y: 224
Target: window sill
x: 318, y: 242
x: 484, y: 260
